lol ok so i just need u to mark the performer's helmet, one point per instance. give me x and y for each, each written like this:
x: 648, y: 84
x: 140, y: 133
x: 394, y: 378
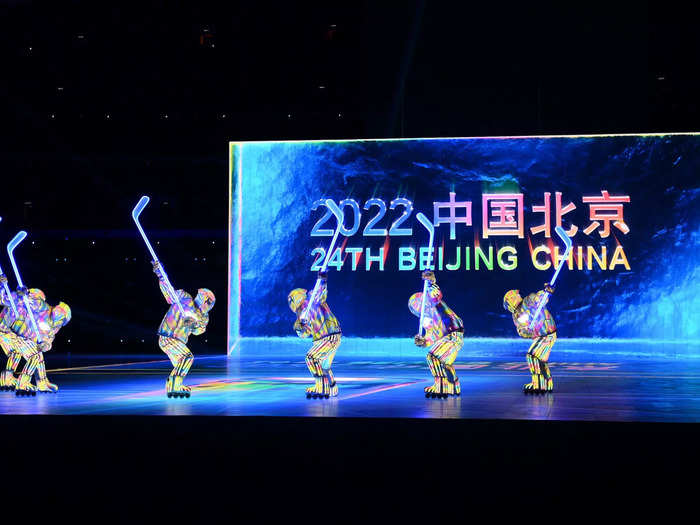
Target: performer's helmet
x: 296, y: 298
x: 205, y: 299
x: 35, y: 293
x: 512, y: 300
x: 60, y: 315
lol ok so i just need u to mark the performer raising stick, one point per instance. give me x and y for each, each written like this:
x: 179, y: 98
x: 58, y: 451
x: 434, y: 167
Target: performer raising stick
x: 315, y: 319
x: 533, y: 321
x: 35, y: 326
x: 184, y: 317
x: 444, y: 330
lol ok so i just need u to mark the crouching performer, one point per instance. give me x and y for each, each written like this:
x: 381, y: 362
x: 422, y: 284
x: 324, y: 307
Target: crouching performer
x: 8, y: 340
x: 315, y: 319
x: 444, y: 334
x: 32, y: 345
x: 176, y: 328
x: 543, y: 334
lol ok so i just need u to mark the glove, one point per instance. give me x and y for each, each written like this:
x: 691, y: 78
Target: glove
x: 428, y: 275
x: 419, y: 340
x: 548, y: 288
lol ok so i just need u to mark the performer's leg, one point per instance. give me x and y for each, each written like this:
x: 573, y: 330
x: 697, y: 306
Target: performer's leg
x: 181, y: 359
x: 541, y: 354
x: 435, y: 370
x: 7, y: 376
x: 445, y: 352
x: 31, y: 353
x: 330, y: 388
x: 316, y: 370
x: 319, y: 360
x: 42, y: 382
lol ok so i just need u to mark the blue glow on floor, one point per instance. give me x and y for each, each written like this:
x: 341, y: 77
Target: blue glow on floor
x: 265, y: 379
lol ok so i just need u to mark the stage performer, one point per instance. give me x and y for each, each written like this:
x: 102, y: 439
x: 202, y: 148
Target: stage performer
x: 32, y: 346
x: 176, y: 328
x: 444, y: 334
x: 315, y: 319
x: 543, y: 334
x: 8, y: 339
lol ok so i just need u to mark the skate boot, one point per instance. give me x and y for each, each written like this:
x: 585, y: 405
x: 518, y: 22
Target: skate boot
x: 328, y: 389
x: 24, y: 386
x: 451, y: 389
x: 333, y: 389
x: 175, y: 388
x: 549, y: 388
x: 46, y: 387
x: 7, y: 380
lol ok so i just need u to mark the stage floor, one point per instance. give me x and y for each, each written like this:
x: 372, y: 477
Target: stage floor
x: 625, y: 389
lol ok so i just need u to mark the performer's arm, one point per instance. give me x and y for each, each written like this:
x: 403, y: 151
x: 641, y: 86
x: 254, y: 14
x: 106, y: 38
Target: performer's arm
x: 302, y: 328
x: 4, y: 299
x: 533, y: 300
x: 161, y: 282
x: 322, y: 293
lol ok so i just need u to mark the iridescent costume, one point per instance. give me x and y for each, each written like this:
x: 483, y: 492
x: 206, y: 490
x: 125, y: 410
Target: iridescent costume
x: 31, y: 345
x: 175, y: 330
x: 8, y: 340
x: 323, y: 327
x: 543, y: 333
x: 444, y: 334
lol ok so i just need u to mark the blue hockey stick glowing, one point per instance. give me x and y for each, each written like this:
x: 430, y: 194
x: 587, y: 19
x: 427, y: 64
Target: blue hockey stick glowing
x: 135, y: 214
x: 431, y: 230
x: 7, y: 291
x: 335, y: 210
x: 10, y: 249
x: 567, y: 242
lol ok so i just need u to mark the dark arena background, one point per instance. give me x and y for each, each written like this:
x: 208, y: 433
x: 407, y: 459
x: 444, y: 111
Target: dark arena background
x: 239, y: 120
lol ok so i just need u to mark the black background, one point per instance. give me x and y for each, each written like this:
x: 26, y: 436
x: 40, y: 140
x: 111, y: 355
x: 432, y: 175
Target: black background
x: 104, y: 102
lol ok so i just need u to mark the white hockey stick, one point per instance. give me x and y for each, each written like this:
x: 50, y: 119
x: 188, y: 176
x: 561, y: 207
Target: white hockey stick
x: 8, y: 292
x: 431, y: 230
x: 567, y: 242
x: 10, y: 249
x: 339, y: 217
x: 135, y: 214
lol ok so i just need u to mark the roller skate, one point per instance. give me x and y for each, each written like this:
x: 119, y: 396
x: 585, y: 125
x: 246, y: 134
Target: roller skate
x: 24, y: 386
x: 538, y: 386
x: 8, y: 381
x: 438, y: 390
x: 46, y: 387
x: 175, y: 388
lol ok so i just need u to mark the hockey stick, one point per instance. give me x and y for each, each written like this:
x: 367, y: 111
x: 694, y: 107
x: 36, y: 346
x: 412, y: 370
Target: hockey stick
x: 339, y: 217
x: 431, y: 230
x: 10, y: 249
x: 135, y: 214
x: 8, y: 292
x: 567, y: 242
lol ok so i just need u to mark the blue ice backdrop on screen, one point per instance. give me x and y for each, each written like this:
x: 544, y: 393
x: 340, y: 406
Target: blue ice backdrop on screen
x: 658, y: 297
